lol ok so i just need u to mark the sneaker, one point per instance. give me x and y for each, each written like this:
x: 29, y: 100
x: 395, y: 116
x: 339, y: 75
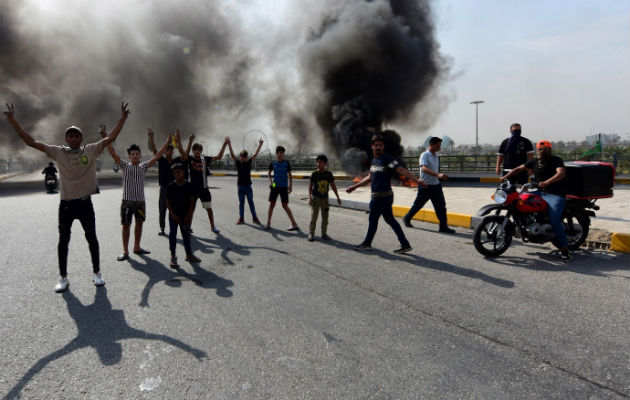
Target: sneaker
x: 403, y: 249
x: 446, y: 229
x: 257, y: 221
x: 362, y: 246
x: 407, y: 223
x: 98, y: 279
x: 565, y: 256
x: 240, y: 221
x: 62, y: 285
x: 326, y: 237
x: 215, y: 230
x: 294, y: 228
x: 174, y: 262
x: 310, y: 237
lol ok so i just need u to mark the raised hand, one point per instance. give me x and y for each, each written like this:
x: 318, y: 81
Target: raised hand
x: 9, y: 111
x: 124, y: 109
x: 150, y: 133
x: 261, y: 141
x: 102, y: 130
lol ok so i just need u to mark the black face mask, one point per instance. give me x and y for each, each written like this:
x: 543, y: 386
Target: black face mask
x: 516, y: 132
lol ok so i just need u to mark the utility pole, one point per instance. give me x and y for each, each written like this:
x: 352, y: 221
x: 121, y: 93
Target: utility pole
x: 476, y: 103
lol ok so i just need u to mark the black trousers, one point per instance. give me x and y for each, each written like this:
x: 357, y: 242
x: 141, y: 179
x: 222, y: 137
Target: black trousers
x: 83, y: 210
x: 163, y: 208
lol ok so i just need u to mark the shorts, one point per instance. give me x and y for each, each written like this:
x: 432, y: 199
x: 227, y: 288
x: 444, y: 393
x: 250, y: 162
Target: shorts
x: 203, y: 194
x: 282, y: 191
x: 130, y: 208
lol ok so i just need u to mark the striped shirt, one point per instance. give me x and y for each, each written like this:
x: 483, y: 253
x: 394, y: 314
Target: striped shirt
x: 133, y: 180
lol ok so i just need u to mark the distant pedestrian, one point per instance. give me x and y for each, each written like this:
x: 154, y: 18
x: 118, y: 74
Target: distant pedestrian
x: 199, y: 168
x: 380, y: 176
x: 244, y: 181
x: 321, y: 179
x: 165, y: 176
x: 513, y: 152
x: 77, y: 170
x: 430, y: 173
x: 180, y: 200
x: 280, y: 185
x: 133, y: 205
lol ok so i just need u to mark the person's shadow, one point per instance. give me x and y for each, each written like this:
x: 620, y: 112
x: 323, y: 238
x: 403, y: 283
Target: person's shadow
x: 227, y: 246
x: 158, y: 272
x: 101, y: 328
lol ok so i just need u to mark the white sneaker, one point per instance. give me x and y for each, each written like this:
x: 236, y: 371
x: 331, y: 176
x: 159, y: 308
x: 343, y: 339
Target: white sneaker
x: 62, y: 285
x: 98, y: 279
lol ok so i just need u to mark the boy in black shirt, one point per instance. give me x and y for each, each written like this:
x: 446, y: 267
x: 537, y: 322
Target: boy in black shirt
x: 318, y: 196
x: 244, y: 181
x: 180, y: 199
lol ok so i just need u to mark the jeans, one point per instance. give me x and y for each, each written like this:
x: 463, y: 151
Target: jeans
x: 162, y: 205
x: 319, y: 203
x: 246, y: 191
x: 83, y: 210
x: 383, y: 206
x: 555, y: 204
x: 172, y: 235
x: 436, y: 195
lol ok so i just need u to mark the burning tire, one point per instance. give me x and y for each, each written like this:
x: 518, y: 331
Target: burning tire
x: 487, y: 239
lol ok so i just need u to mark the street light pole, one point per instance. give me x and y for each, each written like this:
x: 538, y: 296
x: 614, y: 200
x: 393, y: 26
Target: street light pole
x: 476, y: 103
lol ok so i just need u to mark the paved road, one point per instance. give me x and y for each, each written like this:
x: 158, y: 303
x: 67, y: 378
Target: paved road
x: 269, y: 315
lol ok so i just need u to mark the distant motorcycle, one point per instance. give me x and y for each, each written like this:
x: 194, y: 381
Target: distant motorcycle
x: 50, y: 181
x: 524, y: 215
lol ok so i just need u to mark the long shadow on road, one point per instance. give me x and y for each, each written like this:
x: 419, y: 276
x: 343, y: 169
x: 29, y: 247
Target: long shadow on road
x: 101, y: 328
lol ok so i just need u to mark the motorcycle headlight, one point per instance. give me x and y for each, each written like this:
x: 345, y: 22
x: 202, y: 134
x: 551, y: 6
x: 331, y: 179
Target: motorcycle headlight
x: 500, y: 196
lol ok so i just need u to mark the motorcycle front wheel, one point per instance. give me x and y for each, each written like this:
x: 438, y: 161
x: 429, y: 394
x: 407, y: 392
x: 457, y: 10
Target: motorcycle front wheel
x: 487, y: 239
x: 576, y: 228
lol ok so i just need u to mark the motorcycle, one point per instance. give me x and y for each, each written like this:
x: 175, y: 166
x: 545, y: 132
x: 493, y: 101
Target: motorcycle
x: 524, y: 214
x: 50, y: 180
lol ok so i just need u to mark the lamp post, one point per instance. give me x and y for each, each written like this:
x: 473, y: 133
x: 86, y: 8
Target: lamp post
x: 476, y: 103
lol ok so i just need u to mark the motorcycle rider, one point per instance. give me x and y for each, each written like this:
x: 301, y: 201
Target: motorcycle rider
x: 50, y: 169
x: 548, y: 170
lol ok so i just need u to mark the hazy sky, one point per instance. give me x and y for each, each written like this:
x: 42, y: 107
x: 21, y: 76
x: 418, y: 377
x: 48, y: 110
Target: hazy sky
x: 560, y: 68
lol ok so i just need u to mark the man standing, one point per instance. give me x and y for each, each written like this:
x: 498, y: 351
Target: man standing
x: 548, y: 170
x: 280, y: 185
x: 244, y: 181
x: 77, y: 170
x: 165, y: 176
x: 429, y: 172
x: 380, y: 176
x: 514, y: 151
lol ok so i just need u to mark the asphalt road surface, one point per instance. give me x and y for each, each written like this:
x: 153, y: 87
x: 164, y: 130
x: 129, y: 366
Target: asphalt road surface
x: 269, y: 315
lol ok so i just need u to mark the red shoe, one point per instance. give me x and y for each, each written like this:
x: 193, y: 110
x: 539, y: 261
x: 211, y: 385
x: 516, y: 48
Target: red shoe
x: 256, y: 221
x: 240, y: 221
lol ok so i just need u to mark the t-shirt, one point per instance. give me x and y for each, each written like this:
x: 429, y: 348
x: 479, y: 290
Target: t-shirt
x: 281, y: 171
x: 165, y: 174
x: 199, y: 171
x: 133, y: 180
x: 518, y: 156
x: 431, y: 161
x: 244, y: 171
x: 77, y: 169
x: 320, y: 182
x: 179, y: 197
x: 381, y: 171
x: 542, y: 172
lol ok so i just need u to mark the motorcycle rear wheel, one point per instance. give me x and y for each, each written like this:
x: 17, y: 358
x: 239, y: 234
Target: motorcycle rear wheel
x: 577, y: 235
x: 485, y: 237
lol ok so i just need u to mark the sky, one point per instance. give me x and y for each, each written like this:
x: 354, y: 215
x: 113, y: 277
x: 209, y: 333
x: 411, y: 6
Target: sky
x: 560, y: 68
x: 225, y: 67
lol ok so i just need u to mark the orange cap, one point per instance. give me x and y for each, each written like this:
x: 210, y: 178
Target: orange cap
x: 543, y: 143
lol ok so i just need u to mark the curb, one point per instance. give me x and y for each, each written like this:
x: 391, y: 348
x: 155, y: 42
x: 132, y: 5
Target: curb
x: 10, y: 175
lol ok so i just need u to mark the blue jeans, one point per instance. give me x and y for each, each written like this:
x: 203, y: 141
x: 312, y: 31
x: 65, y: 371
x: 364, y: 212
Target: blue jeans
x: 555, y: 205
x: 436, y: 195
x: 246, y: 191
x: 383, y: 206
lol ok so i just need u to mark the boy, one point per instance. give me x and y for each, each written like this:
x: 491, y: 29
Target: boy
x: 198, y: 166
x: 318, y: 195
x: 281, y: 185
x: 77, y: 172
x: 180, y: 200
x: 133, y: 193
x: 244, y: 181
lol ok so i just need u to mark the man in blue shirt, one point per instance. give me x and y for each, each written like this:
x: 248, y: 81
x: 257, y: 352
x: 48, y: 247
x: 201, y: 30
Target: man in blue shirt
x: 281, y: 185
x: 380, y: 176
x: 430, y: 173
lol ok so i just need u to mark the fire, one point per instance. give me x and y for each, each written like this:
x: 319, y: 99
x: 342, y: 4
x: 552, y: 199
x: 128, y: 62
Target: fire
x: 406, y: 182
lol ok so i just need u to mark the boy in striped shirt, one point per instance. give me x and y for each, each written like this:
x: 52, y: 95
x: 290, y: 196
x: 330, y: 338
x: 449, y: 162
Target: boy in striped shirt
x: 133, y: 204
